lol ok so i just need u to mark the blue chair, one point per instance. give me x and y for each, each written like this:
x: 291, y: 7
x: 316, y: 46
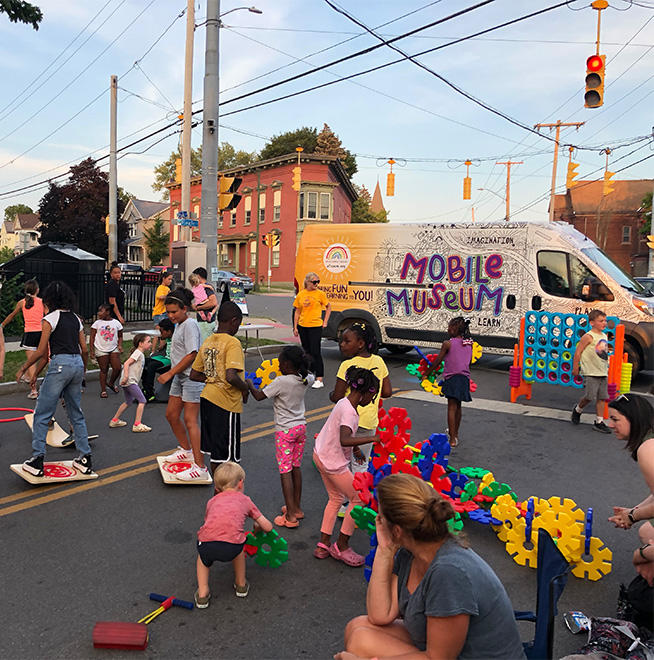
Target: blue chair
x: 551, y: 578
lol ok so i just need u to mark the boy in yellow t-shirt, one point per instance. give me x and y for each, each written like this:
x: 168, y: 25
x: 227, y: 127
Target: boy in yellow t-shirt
x: 220, y: 363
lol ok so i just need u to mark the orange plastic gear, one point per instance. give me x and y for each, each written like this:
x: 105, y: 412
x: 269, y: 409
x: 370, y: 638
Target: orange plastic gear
x: 599, y: 564
x: 515, y: 545
x: 268, y: 371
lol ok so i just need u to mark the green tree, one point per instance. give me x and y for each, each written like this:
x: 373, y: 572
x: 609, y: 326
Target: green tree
x: 6, y: 253
x: 75, y: 211
x: 646, y: 206
x: 329, y: 143
x: 156, y: 242
x: 361, y: 212
x: 10, y: 293
x: 228, y: 157
x: 12, y: 211
x: 21, y: 11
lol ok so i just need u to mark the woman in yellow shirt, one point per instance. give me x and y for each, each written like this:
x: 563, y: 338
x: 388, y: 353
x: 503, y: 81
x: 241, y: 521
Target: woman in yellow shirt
x: 308, y: 322
x: 159, y: 309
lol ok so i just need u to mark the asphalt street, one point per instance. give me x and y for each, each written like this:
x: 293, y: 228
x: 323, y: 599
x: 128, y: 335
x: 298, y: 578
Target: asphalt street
x: 93, y: 551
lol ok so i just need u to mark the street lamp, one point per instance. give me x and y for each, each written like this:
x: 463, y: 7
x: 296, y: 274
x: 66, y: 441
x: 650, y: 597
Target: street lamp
x: 494, y: 193
x: 209, y: 211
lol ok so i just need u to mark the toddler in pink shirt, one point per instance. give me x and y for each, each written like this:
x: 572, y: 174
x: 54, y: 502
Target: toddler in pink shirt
x: 222, y: 537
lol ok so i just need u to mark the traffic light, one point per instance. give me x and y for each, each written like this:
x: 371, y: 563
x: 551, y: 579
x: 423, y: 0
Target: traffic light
x: 650, y: 241
x: 569, y: 183
x: 594, y: 96
x: 228, y: 199
x: 608, y: 184
x: 390, y: 185
x: 297, y: 178
x: 270, y: 240
x: 106, y: 225
x: 467, y: 187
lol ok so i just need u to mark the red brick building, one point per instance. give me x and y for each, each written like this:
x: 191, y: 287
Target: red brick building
x: 326, y: 195
x: 612, y: 221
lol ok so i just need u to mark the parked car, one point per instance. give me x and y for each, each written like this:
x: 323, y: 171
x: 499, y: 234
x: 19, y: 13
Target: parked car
x: 152, y: 273
x: 225, y: 276
x: 130, y: 268
x: 647, y: 282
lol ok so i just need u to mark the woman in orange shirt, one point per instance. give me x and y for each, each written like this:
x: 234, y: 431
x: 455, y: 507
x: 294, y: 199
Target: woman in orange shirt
x: 32, y: 308
x: 308, y: 322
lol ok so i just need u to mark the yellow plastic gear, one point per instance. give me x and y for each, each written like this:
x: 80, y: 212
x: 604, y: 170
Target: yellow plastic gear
x: 540, y: 506
x: 599, y: 564
x: 568, y: 506
x: 477, y: 350
x: 505, y: 509
x: 268, y: 371
x: 487, y: 479
x: 565, y: 530
x: 428, y: 386
x: 515, y: 545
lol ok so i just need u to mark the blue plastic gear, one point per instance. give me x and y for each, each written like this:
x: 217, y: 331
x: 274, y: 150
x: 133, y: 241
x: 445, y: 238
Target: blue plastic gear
x: 256, y: 381
x: 458, y: 483
x: 484, y: 517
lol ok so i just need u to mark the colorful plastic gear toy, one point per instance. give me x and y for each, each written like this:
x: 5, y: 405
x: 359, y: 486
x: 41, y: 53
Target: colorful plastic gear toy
x: 364, y: 519
x: 275, y: 554
x: 268, y: 371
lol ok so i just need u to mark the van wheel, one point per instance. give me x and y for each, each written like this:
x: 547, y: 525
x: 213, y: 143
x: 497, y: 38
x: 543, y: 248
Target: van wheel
x: 397, y: 349
x: 633, y: 355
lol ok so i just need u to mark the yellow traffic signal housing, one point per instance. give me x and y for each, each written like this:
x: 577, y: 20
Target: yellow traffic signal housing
x: 270, y: 240
x: 228, y: 199
x: 650, y: 241
x: 106, y: 225
x: 569, y: 183
x: 390, y: 185
x: 608, y: 184
x: 297, y: 178
x: 467, y: 187
x: 595, y: 69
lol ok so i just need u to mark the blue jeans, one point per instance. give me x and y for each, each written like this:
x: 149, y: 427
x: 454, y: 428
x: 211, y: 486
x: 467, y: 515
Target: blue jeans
x: 63, y: 379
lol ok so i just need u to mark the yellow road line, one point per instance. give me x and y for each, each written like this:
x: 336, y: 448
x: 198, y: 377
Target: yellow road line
x: 62, y: 491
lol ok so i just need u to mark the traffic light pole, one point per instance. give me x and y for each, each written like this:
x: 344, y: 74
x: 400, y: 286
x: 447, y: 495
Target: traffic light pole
x: 187, y: 119
x: 257, y: 288
x: 112, y: 251
x: 209, y: 209
x: 508, y: 164
x: 557, y: 126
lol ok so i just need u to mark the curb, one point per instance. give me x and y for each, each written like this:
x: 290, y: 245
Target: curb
x: 270, y: 349
x: 13, y: 388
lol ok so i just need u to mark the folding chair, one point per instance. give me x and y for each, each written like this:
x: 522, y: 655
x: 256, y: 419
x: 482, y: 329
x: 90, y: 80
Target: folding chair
x: 551, y: 578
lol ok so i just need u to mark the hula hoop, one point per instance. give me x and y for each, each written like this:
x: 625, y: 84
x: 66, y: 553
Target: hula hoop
x: 16, y: 419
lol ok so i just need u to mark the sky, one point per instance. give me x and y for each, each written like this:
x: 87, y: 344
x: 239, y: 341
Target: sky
x: 54, y: 110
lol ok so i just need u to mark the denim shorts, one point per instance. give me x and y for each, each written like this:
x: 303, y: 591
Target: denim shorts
x: 159, y: 318
x: 185, y: 388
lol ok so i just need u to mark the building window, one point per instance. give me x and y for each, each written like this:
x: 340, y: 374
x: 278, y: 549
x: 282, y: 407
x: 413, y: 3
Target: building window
x: 277, y: 206
x: 262, y: 208
x: 220, y: 220
x: 196, y: 210
x: 248, y: 210
x: 232, y: 219
x: 262, y: 216
x: 325, y: 204
x: 224, y: 254
x: 626, y: 234
x: 253, y: 254
x: 312, y: 204
x: 275, y: 255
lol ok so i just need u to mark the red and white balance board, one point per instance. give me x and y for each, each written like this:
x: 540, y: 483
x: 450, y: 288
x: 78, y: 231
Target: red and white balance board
x: 168, y: 471
x: 55, y: 472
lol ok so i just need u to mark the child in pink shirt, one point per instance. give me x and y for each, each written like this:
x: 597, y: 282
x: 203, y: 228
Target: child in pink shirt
x: 332, y: 454
x: 199, y: 296
x: 222, y: 536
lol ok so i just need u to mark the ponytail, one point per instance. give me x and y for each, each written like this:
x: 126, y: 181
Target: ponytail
x: 31, y: 289
x: 298, y: 359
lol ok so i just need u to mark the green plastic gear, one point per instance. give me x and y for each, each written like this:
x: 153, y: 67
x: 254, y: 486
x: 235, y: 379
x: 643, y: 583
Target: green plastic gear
x: 455, y: 524
x: 495, y: 489
x: 364, y: 518
x: 276, y: 552
x: 474, y: 472
x: 413, y: 369
x: 469, y: 491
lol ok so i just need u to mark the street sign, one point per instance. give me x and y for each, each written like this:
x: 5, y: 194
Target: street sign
x: 182, y: 215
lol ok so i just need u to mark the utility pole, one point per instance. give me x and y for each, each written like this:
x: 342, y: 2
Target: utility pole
x: 257, y: 288
x: 209, y: 209
x: 508, y: 164
x: 113, y: 174
x: 557, y: 126
x: 187, y: 120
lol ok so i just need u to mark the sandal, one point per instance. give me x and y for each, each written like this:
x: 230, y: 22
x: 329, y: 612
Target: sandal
x: 114, y: 389
x: 321, y: 551
x: 347, y: 556
x: 299, y: 516
x: 103, y: 395
x: 282, y: 521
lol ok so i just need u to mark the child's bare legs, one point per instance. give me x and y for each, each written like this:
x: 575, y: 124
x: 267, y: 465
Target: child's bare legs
x: 191, y: 414
x: 103, y: 363
x: 292, y: 491
x: 296, y: 474
x: 203, y: 578
x: 239, y: 571
x: 453, y: 417
x: 187, y: 432
x: 139, y: 413
x: 114, y: 360
x: 121, y: 409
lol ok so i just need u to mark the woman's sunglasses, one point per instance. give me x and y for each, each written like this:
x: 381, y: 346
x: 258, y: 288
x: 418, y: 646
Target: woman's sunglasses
x: 315, y: 281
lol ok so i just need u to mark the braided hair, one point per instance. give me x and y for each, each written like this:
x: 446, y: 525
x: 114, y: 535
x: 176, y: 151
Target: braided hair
x: 366, y: 333
x: 361, y: 380
x: 461, y: 326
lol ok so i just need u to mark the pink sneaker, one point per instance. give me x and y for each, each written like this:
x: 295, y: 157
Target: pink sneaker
x: 348, y: 556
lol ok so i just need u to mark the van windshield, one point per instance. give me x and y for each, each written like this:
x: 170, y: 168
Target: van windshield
x: 609, y: 266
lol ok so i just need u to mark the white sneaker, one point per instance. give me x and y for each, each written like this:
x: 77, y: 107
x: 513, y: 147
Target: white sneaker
x: 194, y: 473
x: 180, y: 454
x: 317, y: 385
x: 116, y: 424
x: 140, y: 428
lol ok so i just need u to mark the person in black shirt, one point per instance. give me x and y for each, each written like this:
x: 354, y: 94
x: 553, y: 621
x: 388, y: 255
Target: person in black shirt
x: 114, y: 295
x: 63, y: 335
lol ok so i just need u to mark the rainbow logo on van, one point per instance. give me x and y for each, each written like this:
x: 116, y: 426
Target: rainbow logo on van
x: 337, y: 257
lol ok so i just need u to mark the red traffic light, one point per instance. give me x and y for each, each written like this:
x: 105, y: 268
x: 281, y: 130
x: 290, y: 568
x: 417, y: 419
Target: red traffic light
x: 594, y: 63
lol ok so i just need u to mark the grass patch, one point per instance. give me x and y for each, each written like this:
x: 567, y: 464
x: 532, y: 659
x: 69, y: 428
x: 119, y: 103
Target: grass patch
x: 252, y: 342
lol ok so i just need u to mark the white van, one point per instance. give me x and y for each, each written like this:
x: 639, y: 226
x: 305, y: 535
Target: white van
x: 409, y: 280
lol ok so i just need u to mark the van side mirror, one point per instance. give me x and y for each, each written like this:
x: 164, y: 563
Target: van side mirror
x: 536, y: 302
x: 510, y: 301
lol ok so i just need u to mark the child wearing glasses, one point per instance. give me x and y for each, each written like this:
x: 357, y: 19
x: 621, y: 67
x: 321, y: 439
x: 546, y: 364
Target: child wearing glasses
x: 308, y: 322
